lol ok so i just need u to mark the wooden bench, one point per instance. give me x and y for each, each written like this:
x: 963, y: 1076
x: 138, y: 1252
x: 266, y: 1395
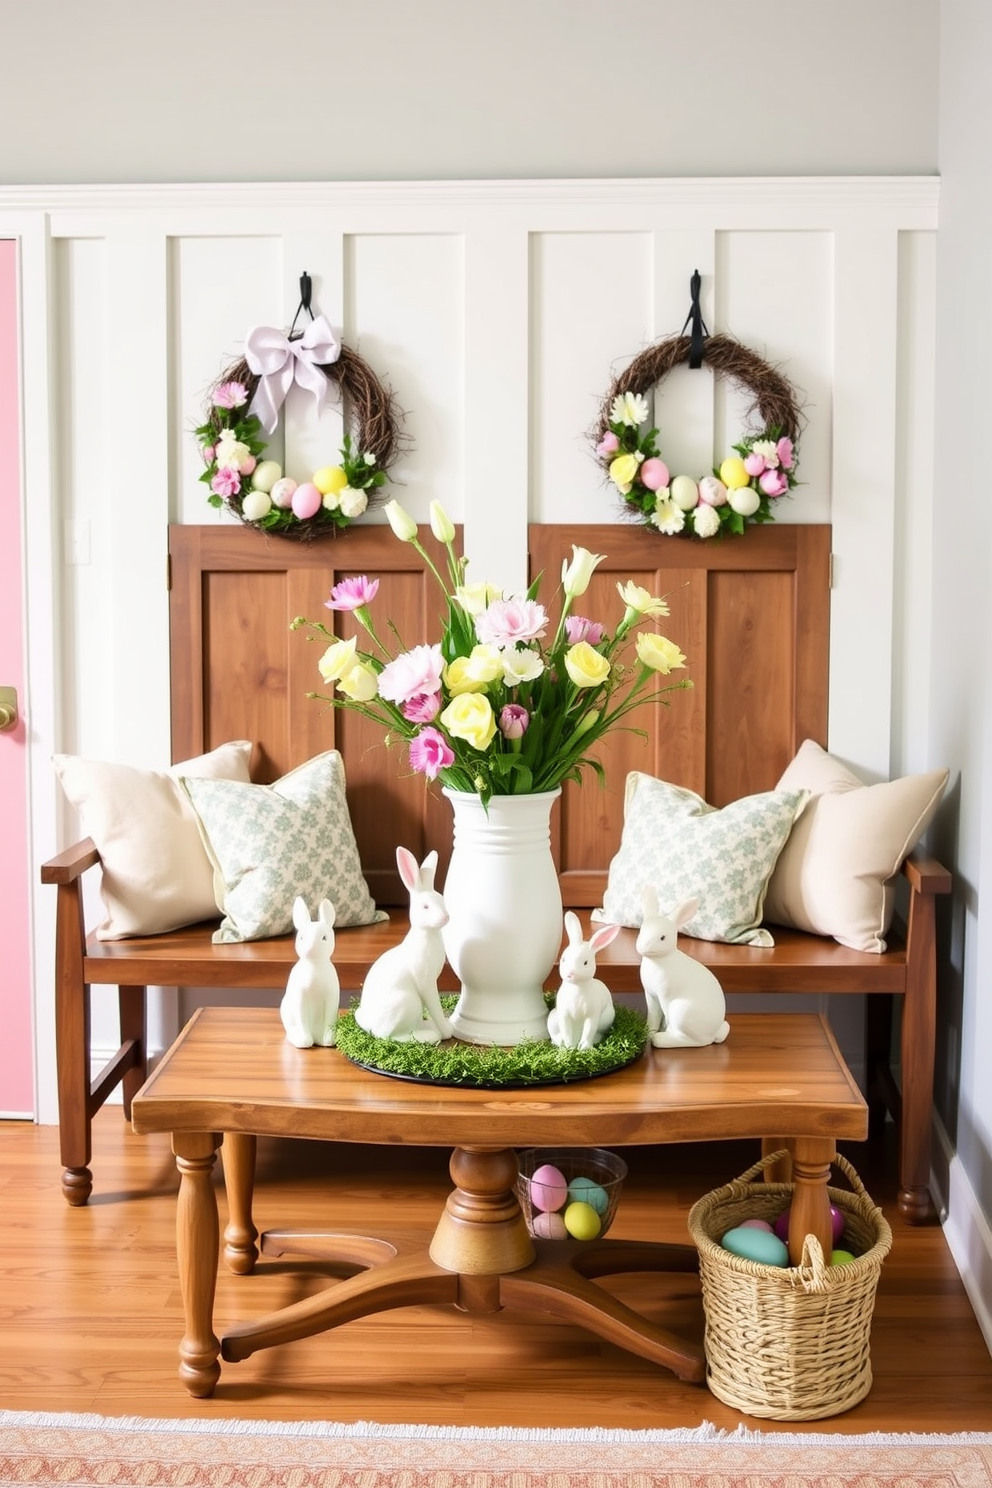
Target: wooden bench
x: 751, y: 616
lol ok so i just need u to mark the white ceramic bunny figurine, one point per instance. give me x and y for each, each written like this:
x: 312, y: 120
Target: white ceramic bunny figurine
x: 583, y: 1012
x: 309, y: 1007
x: 686, y: 1005
x: 399, y: 997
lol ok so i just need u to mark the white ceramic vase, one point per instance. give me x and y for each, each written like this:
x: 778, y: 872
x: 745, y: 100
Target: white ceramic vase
x: 505, y: 927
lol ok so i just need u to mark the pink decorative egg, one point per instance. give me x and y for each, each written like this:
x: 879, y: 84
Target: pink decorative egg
x: 654, y: 474
x: 549, y: 1227
x: 755, y: 1224
x: 781, y: 1225
x: 306, y: 500
x: 548, y: 1188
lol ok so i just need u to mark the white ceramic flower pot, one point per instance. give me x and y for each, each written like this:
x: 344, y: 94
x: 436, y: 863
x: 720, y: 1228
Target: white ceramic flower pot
x: 505, y: 927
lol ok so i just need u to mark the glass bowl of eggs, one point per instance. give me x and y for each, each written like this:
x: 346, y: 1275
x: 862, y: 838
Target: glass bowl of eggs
x: 569, y: 1192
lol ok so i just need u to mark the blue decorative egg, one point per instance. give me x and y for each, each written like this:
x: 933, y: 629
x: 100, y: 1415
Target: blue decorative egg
x: 756, y: 1245
x: 585, y: 1191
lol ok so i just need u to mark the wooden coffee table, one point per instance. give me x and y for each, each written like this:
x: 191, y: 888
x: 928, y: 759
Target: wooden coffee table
x: 233, y: 1076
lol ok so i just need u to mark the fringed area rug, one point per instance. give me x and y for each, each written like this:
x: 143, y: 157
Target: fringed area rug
x: 68, y: 1450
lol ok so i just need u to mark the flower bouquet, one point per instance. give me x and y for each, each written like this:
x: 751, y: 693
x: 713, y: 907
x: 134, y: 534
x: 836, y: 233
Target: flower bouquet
x: 505, y: 703
x: 743, y: 489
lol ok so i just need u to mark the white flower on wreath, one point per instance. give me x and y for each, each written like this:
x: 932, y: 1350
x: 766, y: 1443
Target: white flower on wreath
x: 630, y: 409
x: 229, y: 452
x: 705, y: 520
x: 768, y: 450
x: 667, y: 517
x: 352, y: 502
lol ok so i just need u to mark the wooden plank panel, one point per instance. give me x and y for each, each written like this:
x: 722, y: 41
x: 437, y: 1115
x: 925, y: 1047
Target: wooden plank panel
x: 752, y: 616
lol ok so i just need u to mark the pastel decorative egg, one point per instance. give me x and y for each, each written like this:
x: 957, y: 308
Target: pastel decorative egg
x: 282, y: 492
x: 581, y: 1221
x: 306, y: 500
x: 733, y: 473
x: 744, y: 500
x: 654, y: 474
x: 255, y: 506
x: 755, y: 1224
x: 330, y: 478
x: 781, y: 1226
x: 266, y: 474
x: 548, y: 1188
x: 684, y: 492
x: 756, y: 1245
x: 712, y: 491
x: 548, y: 1226
x: 584, y: 1190
x: 841, y: 1258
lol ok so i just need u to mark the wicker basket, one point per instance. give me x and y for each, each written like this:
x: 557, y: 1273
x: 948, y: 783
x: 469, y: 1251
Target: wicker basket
x: 788, y: 1343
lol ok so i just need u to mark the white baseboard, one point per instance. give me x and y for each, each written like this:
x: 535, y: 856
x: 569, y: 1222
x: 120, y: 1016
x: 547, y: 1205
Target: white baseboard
x: 966, y: 1230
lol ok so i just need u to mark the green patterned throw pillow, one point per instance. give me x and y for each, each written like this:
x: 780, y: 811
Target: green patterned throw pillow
x: 269, y: 843
x: 687, y: 849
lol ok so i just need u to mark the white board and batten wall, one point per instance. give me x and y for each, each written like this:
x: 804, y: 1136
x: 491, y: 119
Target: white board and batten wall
x: 499, y: 312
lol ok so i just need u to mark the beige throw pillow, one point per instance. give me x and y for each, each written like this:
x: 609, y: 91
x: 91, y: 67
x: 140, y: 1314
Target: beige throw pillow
x: 156, y: 873
x: 836, y: 874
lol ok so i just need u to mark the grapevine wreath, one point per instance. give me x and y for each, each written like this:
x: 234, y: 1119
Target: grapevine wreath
x: 746, y: 485
x: 244, y: 407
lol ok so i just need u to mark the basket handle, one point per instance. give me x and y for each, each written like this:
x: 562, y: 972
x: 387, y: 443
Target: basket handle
x: 771, y: 1158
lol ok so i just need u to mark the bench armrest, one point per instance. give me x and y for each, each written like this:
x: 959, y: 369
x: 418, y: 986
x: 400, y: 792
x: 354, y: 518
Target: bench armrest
x: 926, y: 875
x: 71, y: 864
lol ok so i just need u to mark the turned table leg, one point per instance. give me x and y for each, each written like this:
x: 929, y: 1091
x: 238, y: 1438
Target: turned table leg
x: 197, y: 1243
x: 810, y: 1213
x: 238, y: 1159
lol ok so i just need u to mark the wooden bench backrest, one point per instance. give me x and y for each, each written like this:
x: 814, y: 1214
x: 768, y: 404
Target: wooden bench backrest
x: 751, y: 614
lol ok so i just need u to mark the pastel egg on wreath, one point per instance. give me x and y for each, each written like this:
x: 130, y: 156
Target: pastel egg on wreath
x: 584, y: 1190
x: 306, y: 500
x: 756, y: 1245
x: 282, y: 492
x: 684, y: 492
x: 330, y: 478
x: 548, y: 1188
x: 548, y: 1226
x: 744, y: 500
x: 256, y: 505
x: 712, y: 491
x: 581, y: 1221
x: 733, y: 472
x: 653, y: 474
x: 265, y: 475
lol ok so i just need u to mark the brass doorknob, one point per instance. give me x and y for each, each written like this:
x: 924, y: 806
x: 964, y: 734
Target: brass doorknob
x: 8, y: 708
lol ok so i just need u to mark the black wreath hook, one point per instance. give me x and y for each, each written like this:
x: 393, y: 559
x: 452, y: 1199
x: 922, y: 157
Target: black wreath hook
x: 306, y: 291
x: 698, y: 332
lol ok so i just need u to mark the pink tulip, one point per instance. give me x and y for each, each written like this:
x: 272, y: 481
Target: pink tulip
x: 513, y: 721
x: 754, y: 464
x: 774, y: 483
x: 608, y: 445
x: 785, y: 452
x: 578, y: 628
x: 653, y: 474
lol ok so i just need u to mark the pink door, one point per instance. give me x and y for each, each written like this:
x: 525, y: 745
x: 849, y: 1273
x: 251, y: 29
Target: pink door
x: 16, y: 1060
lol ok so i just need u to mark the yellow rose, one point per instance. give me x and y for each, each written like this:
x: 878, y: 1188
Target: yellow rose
x: 471, y: 718
x: 585, y: 666
x: 474, y: 598
x: 360, y: 683
x: 732, y: 472
x: 623, y: 470
x: 640, y: 601
x: 658, y: 653
x: 467, y: 673
x: 338, y: 659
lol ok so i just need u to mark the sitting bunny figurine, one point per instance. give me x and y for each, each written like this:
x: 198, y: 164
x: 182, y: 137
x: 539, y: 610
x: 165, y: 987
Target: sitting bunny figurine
x: 309, y: 1008
x: 686, y: 1005
x: 583, y: 1012
x: 399, y: 998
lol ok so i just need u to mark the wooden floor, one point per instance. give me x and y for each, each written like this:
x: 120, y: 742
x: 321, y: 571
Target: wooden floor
x: 91, y: 1312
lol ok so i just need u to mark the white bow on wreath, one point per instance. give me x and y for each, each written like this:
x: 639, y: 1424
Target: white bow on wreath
x: 278, y: 361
